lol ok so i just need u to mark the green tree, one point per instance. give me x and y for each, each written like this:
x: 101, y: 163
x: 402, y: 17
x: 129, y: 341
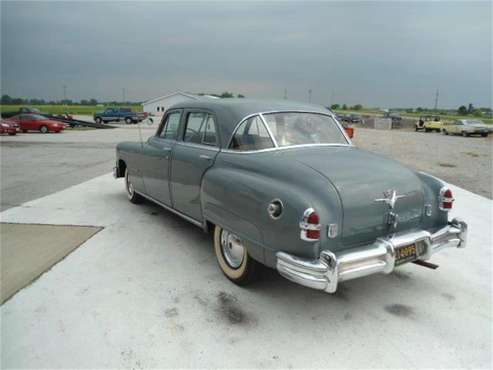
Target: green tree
x: 6, y: 99
x: 462, y: 110
x: 477, y: 113
x: 226, y: 94
x: 344, y: 107
x: 357, y: 107
x: 470, y: 108
x: 334, y: 106
x: 240, y: 96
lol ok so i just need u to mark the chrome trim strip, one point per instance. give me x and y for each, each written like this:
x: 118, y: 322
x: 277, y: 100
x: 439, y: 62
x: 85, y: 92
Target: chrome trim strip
x: 213, y: 148
x: 272, y: 137
x: 168, y: 208
x: 283, y: 148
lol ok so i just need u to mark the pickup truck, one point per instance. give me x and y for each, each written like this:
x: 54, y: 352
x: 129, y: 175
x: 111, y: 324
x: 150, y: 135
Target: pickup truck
x: 118, y: 114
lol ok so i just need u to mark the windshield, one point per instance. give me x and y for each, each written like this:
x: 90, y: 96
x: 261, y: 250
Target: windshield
x: 293, y: 128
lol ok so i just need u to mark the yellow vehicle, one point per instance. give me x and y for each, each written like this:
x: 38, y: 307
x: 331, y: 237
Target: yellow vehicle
x: 429, y: 123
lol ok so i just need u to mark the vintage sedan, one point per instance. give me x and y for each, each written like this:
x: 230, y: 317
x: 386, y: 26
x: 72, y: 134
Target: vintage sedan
x: 37, y: 122
x: 467, y: 127
x: 280, y: 184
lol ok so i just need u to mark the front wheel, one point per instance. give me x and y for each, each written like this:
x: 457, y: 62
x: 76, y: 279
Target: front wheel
x: 445, y: 132
x: 128, y: 121
x: 98, y: 120
x: 465, y: 134
x: 233, y: 258
x: 132, y: 195
x: 43, y: 129
x: 484, y: 134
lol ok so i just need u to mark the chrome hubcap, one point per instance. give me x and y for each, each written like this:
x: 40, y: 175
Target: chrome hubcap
x: 130, y: 187
x: 232, y: 248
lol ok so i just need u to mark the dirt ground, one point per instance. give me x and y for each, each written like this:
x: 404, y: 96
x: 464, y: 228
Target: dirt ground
x: 463, y: 161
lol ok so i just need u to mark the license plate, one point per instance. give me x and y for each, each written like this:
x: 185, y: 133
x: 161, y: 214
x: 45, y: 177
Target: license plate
x: 408, y: 253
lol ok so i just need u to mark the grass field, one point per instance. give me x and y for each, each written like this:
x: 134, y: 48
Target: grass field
x: 59, y: 109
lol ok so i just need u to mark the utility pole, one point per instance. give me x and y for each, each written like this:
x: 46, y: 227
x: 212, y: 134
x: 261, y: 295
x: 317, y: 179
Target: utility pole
x: 123, y: 95
x: 64, y: 92
x: 436, y: 99
x: 309, y: 95
x: 285, y: 93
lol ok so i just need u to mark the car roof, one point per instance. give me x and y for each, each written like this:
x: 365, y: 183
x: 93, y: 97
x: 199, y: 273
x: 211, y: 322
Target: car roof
x: 230, y: 111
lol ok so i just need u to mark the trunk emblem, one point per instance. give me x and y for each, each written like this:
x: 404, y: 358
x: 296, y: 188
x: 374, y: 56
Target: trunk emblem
x: 390, y: 198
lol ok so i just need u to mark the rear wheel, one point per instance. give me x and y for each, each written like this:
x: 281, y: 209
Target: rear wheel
x: 445, y: 132
x: 484, y: 134
x: 43, y: 129
x: 233, y: 258
x: 465, y: 134
x: 24, y: 131
x: 11, y: 133
x: 427, y: 129
x: 132, y: 195
x: 128, y: 121
x: 98, y: 120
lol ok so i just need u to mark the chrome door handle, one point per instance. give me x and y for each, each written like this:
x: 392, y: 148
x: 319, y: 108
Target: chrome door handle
x: 206, y: 157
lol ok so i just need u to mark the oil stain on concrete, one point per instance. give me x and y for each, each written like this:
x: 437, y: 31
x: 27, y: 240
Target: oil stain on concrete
x: 400, y: 310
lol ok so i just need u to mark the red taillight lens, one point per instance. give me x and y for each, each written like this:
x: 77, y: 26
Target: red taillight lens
x: 446, y: 199
x: 310, y: 225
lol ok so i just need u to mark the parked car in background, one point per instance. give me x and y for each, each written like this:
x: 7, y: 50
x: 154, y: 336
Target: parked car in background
x: 117, y: 115
x: 36, y: 122
x: 355, y: 118
x: 428, y: 124
x: 280, y: 184
x: 467, y: 127
x: 8, y: 127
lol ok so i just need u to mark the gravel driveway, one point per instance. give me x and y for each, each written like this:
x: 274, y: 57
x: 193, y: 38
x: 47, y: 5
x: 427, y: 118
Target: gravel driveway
x: 462, y: 161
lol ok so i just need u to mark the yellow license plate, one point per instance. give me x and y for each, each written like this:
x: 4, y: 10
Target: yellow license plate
x: 406, y: 253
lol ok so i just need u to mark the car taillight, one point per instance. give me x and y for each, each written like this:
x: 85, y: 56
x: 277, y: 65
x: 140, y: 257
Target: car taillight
x: 445, y: 199
x: 310, y: 225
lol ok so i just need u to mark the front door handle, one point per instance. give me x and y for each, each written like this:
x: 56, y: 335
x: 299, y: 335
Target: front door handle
x: 206, y: 157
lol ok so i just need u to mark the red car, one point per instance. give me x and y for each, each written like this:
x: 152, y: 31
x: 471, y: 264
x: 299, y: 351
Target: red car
x: 36, y: 122
x: 8, y: 127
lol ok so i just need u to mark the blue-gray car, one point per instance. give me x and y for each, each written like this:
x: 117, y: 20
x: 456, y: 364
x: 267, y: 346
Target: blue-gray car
x: 280, y: 184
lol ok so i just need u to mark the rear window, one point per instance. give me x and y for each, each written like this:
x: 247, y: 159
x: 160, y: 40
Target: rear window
x: 295, y: 128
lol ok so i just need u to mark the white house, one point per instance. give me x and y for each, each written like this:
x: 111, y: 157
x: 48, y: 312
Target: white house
x: 159, y: 105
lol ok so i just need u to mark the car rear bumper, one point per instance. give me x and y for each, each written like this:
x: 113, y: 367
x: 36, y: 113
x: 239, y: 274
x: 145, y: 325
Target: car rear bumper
x: 331, y: 268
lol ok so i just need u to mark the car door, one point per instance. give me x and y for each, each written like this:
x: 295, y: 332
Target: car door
x: 157, y: 151
x: 27, y: 122
x: 456, y: 127
x: 194, y: 152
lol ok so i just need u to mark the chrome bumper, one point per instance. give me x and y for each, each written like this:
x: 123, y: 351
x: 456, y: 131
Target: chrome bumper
x: 331, y: 268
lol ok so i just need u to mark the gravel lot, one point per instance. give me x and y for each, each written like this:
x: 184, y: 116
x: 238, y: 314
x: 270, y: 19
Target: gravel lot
x: 462, y: 161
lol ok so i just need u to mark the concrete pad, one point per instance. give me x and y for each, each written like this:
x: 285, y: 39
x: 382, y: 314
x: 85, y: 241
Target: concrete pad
x: 146, y: 292
x: 29, y: 250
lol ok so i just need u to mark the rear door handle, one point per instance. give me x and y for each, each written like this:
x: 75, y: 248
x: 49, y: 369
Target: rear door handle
x: 206, y: 157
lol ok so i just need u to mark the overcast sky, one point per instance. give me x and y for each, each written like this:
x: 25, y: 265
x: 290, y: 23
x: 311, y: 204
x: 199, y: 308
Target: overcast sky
x: 385, y: 54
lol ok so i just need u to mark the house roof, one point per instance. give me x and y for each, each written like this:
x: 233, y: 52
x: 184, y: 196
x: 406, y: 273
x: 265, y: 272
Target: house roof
x: 153, y: 100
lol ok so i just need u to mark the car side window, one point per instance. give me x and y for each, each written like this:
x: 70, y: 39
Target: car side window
x: 251, y: 135
x: 210, y: 136
x: 195, y: 126
x: 200, y: 129
x: 169, y: 128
